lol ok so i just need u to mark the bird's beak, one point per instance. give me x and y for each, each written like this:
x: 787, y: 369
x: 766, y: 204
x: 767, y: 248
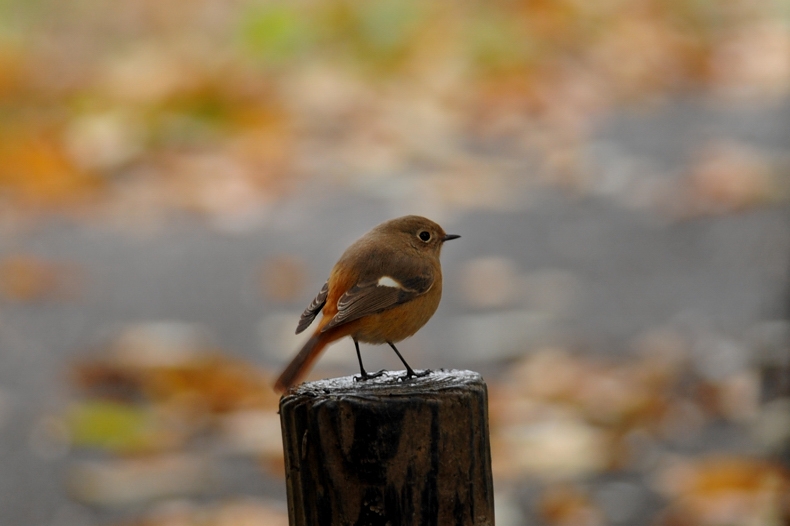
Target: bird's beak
x: 448, y: 237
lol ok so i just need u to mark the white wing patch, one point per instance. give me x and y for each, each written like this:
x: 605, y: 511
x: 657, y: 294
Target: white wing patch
x: 386, y: 281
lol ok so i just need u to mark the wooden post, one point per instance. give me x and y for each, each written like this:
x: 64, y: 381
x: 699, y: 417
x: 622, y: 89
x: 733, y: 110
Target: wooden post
x: 388, y: 451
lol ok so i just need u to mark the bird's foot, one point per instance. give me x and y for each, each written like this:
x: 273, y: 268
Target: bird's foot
x: 364, y: 376
x: 411, y: 373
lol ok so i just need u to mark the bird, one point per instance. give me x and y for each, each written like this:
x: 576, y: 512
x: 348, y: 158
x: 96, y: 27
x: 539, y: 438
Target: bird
x: 383, y: 289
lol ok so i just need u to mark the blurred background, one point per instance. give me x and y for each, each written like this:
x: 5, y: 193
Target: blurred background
x: 177, y: 177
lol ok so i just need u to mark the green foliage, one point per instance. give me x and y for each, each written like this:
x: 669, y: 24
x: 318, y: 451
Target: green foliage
x: 496, y: 42
x: 276, y: 33
x: 110, y: 425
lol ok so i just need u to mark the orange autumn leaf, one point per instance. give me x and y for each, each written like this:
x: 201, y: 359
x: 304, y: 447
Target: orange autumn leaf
x: 723, y: 490
x: 566, y: 505
x: 36, y: 170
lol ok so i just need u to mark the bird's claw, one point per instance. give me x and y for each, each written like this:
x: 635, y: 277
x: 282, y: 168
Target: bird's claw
x: 415, y: 374
x: 368, y: 376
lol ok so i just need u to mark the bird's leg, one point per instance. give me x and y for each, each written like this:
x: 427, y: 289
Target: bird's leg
x: 363, y: 375
x: 409, y: 371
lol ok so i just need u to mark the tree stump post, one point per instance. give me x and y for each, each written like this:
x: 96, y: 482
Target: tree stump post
x: 389, y: 451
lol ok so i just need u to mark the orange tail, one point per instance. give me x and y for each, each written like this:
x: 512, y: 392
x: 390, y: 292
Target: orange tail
x: 302, y: 361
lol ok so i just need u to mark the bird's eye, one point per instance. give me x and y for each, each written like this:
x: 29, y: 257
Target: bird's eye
x: 425, y: 235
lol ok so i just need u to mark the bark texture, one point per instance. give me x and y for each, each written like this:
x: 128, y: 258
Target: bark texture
x: 389, y: 452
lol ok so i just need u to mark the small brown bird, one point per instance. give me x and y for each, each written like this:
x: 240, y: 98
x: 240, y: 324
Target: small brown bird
x: 384, y: 288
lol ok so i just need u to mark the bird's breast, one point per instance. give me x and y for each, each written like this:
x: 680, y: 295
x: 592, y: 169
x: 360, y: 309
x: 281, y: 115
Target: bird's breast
x: 399, y: 322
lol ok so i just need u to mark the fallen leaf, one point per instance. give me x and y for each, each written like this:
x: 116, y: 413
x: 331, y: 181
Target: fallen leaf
x: 27, y: 278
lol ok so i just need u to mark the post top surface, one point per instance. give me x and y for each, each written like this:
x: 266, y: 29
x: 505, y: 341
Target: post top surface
x: 391, y: 383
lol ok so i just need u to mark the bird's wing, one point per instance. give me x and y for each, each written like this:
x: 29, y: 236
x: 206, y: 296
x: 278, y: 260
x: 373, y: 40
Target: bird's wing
x: 377, y: 294
x: 312, y: 311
